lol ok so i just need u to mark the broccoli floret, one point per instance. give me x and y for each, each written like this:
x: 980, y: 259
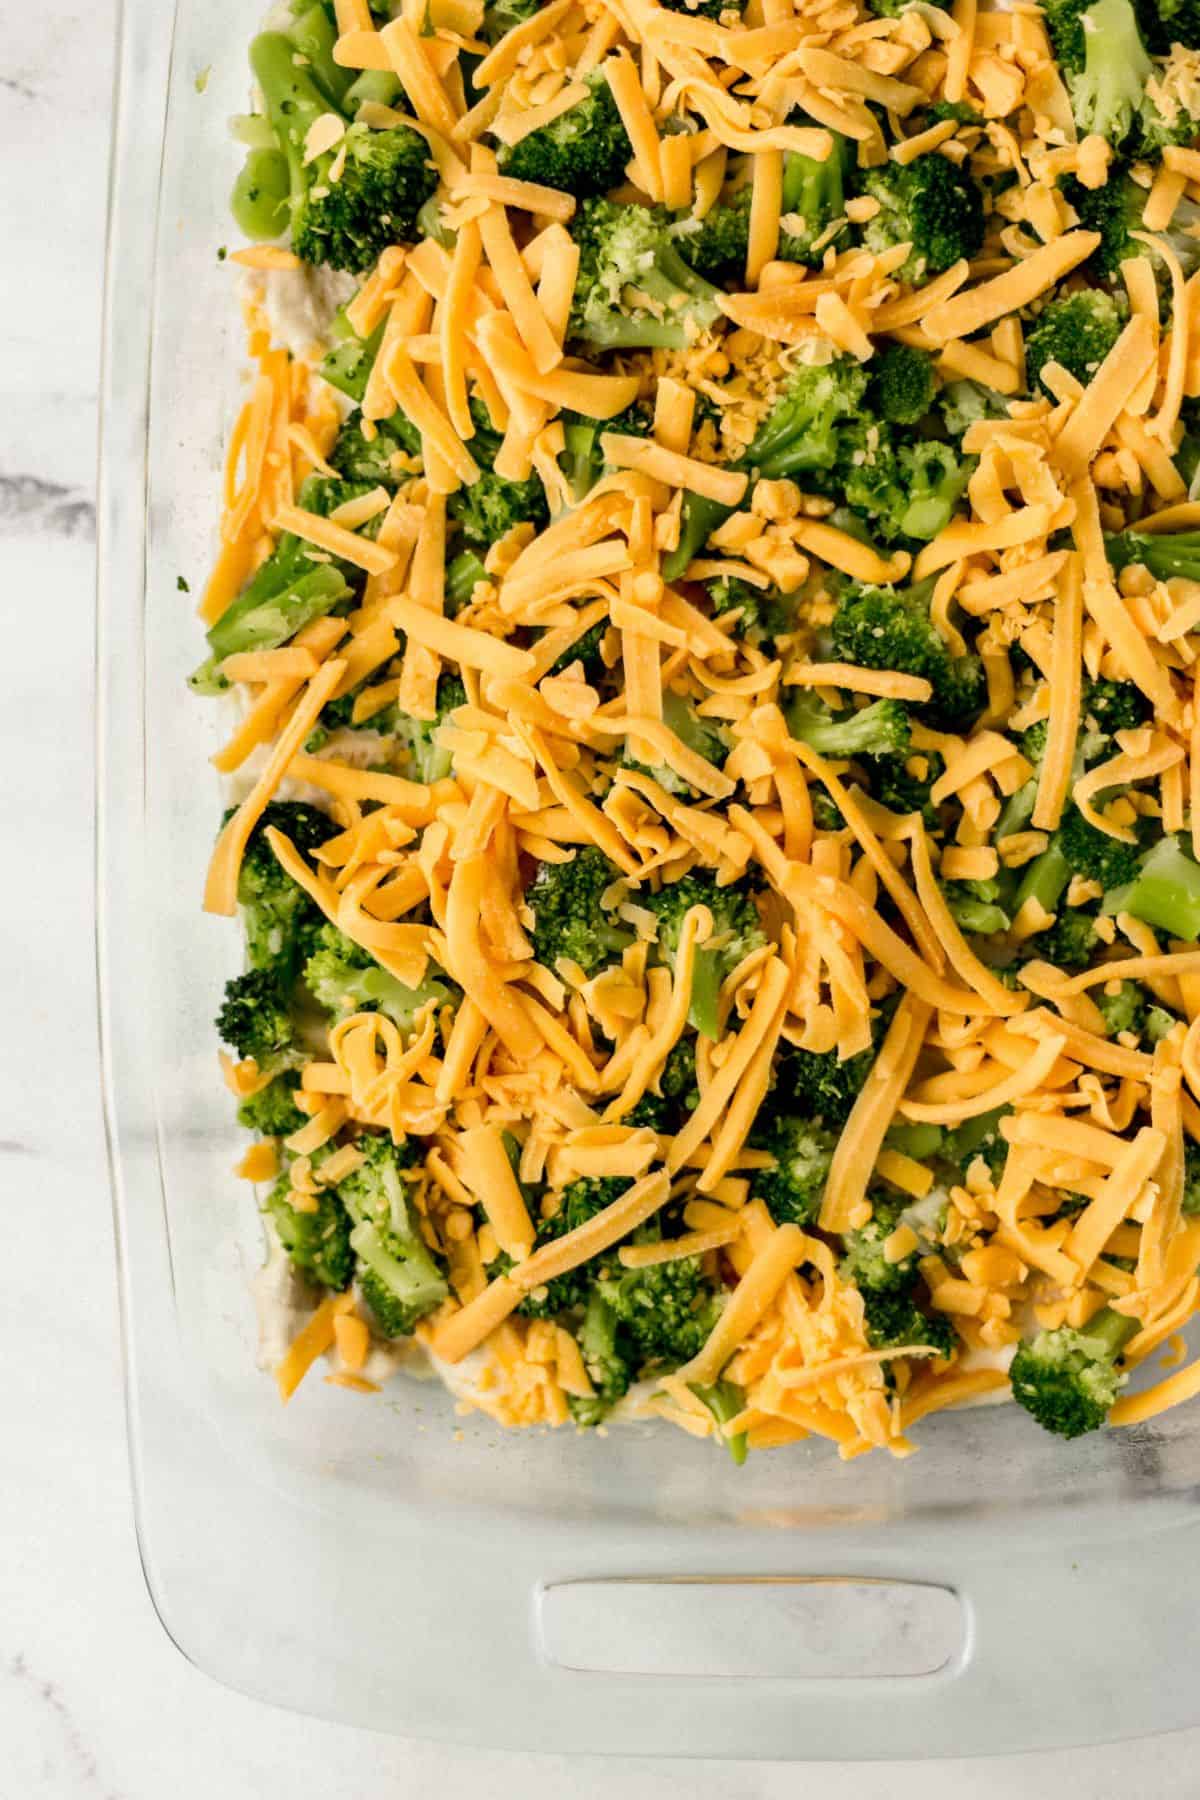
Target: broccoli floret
x: 813, y: 203
x: 343, y: 978
x: 964, y: 403
x: 369, y: 461
x: 864, y: 1264
x: 569, y: 917
x: 1168, y: 22
x: 1107, y: 92
x: 318, y: 1242
x: 978, y: 1137
x: 893, y: 1319
x: 382, y: 177
x: 493, y: 504
x: 503, y: 15
x: 1069, y: 1379
x: 930, y: 203
x: 715, y: 246
x: 633, y: 290
x: 1078, y: 332
x: 605, y: 1357
x: 272, y: 1111
x: 736, y: 924
x: 581, y: 1200
x: 1068, y: 943
x: 881, y: 729
x: 430, y: 761
x: 278, y: 916
x: 819, y: 1085
x: 1163, y: 890
x: 668, y: 1309
x: 895, y: 786
x: 397, y: 1272
x: 1093, y: 853
x: 800, y: 435
x: 763, y: 613
x: 255, y: 1020
x: 1191, y: 1179
x: 1166, y: 554
x: 792, y: 1191
x: 1124, y: 1009
x: 907, y: 491
x: 1114, y: 706
x: 890, y: 628
x: 902, y: 385
x: 1115, y: 211
x: 1169, y: 113
x: 583, y: 151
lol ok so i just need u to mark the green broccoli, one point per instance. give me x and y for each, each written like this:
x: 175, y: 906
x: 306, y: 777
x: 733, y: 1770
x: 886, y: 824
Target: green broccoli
x: 930, y: 203
x: 974, y: 907
x: 346, y: 206
x: 667, y: 1309
x: 347, y: 365
x: 1093, y: 854
x: 502, y: 15
x: 881, y: 729
x: 634, y: 290
x: 819, y: 1085
x: 801, y: 435
x: 493, y: 504
x: 1124, y: 1009
x: 583, y: 151
x: 1191, y: 1179
x: 1069, y: 1379
x: 582, y: 460
x: 715, y: 247
x: 343, y: 978
x: 736, y: 926
x: 1078, y: 332
x: 1163, y: 889
x: 278, y: 916
x: 793, y: 1189
x: 464, y: 572
x: 1068, y: 943
x: 895, y: 786
x: 864, y: 1264
x: 1115, y: 211
x: 906, y: 490
x: 1112, y: 706
x: 1168, y: 22
x: 569, y: 917
x: 272, y: 1111
x: 725, y: 1400
x: 255, y: 1020
x: 890, y: 628
x: 586, y: 650
x: 764, y: 614
x: 813, y: 202
x: 1106, y: 92
x: 964, y: 403
x: 317, y: 1242
x: 397, y: 1273
x: 895, y: 1319
x: 370, y: 461
x: 571, y: 1292
x: 1164, y: 553
x: 902, y: 385
x: 418, y: 737
x: 605, y: 1357
x: 704, y: 736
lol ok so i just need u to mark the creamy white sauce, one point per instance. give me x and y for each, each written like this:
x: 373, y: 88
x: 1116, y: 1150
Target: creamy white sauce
x: 300, y: 305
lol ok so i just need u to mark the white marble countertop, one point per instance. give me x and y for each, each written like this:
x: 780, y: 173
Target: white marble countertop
x: 94, y: 1700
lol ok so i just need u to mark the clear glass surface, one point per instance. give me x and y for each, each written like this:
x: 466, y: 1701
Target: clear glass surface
x: 361, y: 1558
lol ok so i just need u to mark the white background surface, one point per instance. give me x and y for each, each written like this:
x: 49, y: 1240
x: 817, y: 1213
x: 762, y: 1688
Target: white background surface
x: 95, y: 1704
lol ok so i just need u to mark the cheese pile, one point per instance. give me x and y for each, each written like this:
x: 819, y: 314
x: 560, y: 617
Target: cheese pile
x: 435, y: 875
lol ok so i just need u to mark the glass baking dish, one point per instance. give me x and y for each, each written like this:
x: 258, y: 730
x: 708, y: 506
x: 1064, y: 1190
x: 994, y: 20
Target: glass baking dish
x: 384, y: 1562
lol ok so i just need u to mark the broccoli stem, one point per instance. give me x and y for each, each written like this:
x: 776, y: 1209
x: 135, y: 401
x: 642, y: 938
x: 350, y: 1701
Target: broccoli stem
x: 313, y: 36
x: 1165, y: 892
x: 292, y: 98
x: 698, y: 520
x: 1112, y: 1330
x: 1046, y: 879
x: 262, y: 194
x: 725, y: 1400
x: 703, y: 1007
